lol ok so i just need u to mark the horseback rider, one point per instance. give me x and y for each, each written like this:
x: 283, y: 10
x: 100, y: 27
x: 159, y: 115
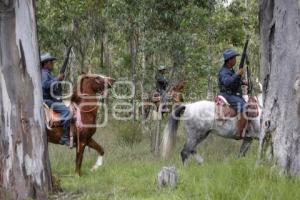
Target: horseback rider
x: 161, y: 85
x: 161, y: 80
x: 49, y: 86
x: 230, y: 83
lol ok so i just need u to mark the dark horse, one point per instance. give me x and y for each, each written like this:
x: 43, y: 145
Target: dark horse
x: 83, y: 127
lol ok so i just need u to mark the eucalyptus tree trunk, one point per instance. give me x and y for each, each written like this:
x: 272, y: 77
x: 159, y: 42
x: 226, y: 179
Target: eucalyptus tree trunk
x: 153, y: 123
x: 24, y: 162
x: 80, y: 45
x: 209, y: 95
x: 105, y: 57
x: 73, y: 67
x: 133, y: 57
x: 158, y: 134
x: 143, y: 82
x: 280, y: 39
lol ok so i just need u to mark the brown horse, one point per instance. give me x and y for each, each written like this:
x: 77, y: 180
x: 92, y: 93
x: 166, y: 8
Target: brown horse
x: 173, y: 95
x: 86, y: 100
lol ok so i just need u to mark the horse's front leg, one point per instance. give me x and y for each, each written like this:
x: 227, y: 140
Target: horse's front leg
x: 94, y: 145
x: 79, y: 155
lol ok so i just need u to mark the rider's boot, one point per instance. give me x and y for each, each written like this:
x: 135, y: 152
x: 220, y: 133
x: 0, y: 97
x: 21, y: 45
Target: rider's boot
x: 241, y: 127
x: 65, y: 140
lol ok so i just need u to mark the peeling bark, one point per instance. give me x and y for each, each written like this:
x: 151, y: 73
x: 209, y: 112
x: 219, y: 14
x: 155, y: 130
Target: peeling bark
x: 280, y: 70
x: 24, y: 164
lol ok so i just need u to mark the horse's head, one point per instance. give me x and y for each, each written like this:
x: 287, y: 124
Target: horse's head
x: 253, y: 99
x: 94, y: 83
x: 179, y: 87
x: 101, y: 83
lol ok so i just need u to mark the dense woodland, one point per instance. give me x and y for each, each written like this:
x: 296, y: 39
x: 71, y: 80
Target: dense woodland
x: 128, y: 40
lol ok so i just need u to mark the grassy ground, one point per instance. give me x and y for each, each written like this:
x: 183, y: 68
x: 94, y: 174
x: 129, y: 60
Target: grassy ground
x: 130, y: 171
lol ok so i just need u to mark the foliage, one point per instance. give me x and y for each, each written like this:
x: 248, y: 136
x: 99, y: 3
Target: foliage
x: 129, y: 133
x: 184, y: 35
x: 189, y: 37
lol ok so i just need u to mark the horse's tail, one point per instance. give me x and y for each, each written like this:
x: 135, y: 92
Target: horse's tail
x: 171, y: 130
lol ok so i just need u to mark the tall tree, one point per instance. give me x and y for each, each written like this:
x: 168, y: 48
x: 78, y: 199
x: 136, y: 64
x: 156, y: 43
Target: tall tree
x: 280, y: 71
x: 24, y: 164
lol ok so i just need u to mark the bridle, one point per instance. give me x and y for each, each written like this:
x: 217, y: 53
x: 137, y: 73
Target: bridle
x: 83, y: 94
x: 90, y: 110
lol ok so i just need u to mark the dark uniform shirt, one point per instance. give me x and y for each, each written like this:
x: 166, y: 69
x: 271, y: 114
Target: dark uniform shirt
x: 161, y: 83
x: 230, y: 88
x: 48, y: 81
x: 229, y: 82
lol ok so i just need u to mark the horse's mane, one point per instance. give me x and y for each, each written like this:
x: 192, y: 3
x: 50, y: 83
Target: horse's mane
x: 75, y: 96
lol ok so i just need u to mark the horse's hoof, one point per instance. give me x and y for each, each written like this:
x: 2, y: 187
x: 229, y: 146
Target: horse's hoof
x: 185, y: 163
x: 199, y: 159
x: 94, y: 168
x: 77, y: 175
x: 98, y: 163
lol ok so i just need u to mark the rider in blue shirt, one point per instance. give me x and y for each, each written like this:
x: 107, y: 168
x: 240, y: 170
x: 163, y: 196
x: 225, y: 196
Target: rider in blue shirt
x: 230, y: 83
x: 50, y: 94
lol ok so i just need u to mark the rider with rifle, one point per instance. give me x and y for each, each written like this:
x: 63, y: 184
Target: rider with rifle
x: 162, y: 84
x: 230, y: 83
x: 52, y: 92
x: 161, y: 80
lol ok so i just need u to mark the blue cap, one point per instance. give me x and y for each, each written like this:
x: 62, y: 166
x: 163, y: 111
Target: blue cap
x: 229, y: 53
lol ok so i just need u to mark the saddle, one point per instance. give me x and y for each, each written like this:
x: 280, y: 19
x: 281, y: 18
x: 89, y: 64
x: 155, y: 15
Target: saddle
x: 224, y: 110
x: 52, y: 118
x: 156, y: 97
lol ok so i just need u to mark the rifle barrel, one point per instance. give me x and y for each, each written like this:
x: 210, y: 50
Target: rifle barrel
x: 244, y: 54
x: 66, y: 60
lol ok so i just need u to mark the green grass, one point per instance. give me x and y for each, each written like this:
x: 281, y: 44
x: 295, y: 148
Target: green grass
x: 129, y: 172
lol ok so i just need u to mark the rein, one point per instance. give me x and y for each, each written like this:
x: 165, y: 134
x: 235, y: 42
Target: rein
x: 87, y: 111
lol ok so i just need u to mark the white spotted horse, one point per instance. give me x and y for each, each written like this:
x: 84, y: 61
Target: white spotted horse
x: 208, y: 117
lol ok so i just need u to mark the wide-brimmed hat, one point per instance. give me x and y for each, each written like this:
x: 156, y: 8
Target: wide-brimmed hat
x: 230, y: 53
x: 47, y: 57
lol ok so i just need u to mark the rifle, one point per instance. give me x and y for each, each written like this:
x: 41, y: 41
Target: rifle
x: 244, y: 54
x: 250, y: 85
x: 244, y: 59
x: 65, y: 64
x: 58, y: 87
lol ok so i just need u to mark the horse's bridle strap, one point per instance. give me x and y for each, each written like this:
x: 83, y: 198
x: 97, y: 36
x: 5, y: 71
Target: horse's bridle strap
x: 87, y: 111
